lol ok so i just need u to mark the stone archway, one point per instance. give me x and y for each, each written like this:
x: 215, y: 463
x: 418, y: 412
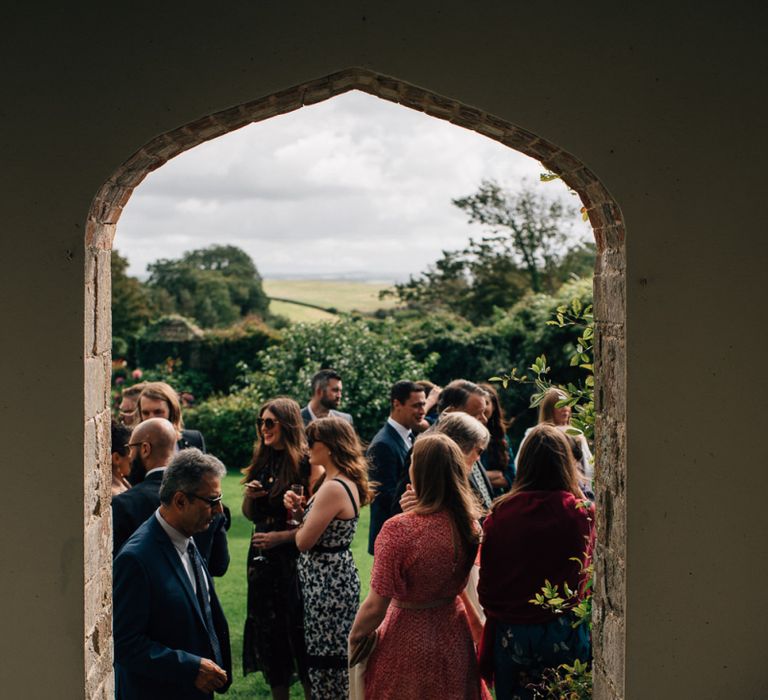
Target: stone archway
x: 610, y: 353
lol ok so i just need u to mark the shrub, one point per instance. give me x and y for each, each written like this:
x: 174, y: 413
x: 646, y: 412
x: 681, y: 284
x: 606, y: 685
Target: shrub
x: 228, y: 424
x: 369, y: 361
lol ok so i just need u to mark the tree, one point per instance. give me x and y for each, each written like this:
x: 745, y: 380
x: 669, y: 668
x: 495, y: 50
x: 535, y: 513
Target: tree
x: 215, y: 286
x: 131, y: 305
x: 529, y: 247
x: 531, y: 230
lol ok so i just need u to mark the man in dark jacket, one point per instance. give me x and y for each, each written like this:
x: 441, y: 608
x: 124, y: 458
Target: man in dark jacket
x: 171, y: 637
x: 388, y: 451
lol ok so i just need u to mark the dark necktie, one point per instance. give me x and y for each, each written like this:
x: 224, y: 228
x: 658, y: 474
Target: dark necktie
x: 410, y: 438
x: 204, y: 600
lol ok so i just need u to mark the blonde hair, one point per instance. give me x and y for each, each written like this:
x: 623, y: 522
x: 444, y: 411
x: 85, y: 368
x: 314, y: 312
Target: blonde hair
x: 440, y: 482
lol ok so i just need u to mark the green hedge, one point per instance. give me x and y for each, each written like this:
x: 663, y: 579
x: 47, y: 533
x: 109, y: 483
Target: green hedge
x: 229, y: 426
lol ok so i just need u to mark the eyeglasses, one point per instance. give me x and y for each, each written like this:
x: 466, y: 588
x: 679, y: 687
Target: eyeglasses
x: 212, y: 502
x: 129, y: 445
x: 267, y: 423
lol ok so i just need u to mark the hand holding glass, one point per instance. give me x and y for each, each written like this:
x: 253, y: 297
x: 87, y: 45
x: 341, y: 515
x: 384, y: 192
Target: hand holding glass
x: 295, y: 503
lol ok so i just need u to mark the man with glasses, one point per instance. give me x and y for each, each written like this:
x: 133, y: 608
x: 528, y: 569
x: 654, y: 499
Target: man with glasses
x: 153, y: 445
x: 171, y: 637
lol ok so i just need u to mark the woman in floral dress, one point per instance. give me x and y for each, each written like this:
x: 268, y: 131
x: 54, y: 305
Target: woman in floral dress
x: 423, y: 557
x: 330, y: 584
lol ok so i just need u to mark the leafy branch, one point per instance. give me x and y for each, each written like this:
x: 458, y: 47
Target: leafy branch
x: 580, y: 396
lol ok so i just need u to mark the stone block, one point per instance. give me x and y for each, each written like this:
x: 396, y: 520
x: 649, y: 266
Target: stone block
x: 609, y: 649
x: 610, y: 376
x: 89, y: 339
x: 440, y: 107
x: 468, y: 117
x: 544, y: 150
x: 103, y: 312
x: 94, y: 597
x: 610, y: 297
x: 93, y: 542
x: 602, y: 688
x: 96, y: 386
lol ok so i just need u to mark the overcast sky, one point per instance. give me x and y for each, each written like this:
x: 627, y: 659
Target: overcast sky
x: 353, y: 186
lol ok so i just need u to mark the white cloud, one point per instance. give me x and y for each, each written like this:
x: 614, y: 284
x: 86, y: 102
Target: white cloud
x: 352, y: 185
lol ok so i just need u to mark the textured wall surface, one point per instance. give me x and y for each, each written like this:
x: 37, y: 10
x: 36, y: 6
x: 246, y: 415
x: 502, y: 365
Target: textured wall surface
x: 654, y: 117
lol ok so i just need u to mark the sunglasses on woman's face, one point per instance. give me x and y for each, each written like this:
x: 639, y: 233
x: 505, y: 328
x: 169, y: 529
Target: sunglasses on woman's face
x: 267, y: 423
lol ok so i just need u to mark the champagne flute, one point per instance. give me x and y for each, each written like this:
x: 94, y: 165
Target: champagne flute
x: 257, y: 489
x: 298, y: 489
x: 259, y: 556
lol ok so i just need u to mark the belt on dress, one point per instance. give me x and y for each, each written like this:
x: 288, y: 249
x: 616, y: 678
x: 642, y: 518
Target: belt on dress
x: 329, y: 550
x: 428, y: 605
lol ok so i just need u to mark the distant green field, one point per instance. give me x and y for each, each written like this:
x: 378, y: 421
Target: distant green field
x: 343, y: 295
x: 232, y: 589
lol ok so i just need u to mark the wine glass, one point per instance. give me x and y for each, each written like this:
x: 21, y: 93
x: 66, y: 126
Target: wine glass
x: 259, y: 557
x: 298, y: 489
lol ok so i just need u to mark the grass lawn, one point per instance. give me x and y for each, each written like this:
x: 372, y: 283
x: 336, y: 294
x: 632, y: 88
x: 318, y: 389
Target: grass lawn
x: 232, y: 588
x: 344, y: 295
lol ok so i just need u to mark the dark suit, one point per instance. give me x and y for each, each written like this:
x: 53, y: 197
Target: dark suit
x: 387, y: 455
x: 191, y: 438
x: 159, y: 630
x: 306, y: 416
x: 131, y: 508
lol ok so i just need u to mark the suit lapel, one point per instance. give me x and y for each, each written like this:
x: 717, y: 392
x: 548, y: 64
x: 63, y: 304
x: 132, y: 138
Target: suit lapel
x: 395, y: 438
x: 174, y: 561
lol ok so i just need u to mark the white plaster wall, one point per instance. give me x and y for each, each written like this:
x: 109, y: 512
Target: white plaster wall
x: 665, y: 106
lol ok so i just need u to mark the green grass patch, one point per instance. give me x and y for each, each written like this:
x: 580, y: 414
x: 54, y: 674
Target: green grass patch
x: 232, y: 588
x: 344, y: 295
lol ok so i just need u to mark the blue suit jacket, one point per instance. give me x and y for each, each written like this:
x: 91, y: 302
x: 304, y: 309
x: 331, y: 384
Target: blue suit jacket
x: 159, y: 630
x: 388, y: 456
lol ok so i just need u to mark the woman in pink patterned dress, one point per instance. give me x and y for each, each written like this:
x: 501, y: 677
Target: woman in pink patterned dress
x: 423, y: 557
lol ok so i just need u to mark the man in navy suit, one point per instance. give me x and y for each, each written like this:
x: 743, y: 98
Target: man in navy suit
x: 388, y: 451
x: 171, y: 636
x: 326, y: 398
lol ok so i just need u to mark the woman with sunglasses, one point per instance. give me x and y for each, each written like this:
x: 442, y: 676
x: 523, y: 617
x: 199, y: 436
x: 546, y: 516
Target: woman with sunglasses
x: 330, y: 584
x: 273, y: 640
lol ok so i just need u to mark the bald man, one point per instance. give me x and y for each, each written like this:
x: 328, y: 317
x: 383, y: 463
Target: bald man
x: 152, y: 447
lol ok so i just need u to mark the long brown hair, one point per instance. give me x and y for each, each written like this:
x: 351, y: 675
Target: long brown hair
x: 440, y: 482
x: 498, y: 446
x: 547, y: 406
x: 545, y: 463
x: 287, y: 461
x: 160, y: 391
x: 347, y: 453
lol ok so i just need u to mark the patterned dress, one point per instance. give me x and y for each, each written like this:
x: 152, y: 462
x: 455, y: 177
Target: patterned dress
x: 330, y: 587
x: 423, y: 653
